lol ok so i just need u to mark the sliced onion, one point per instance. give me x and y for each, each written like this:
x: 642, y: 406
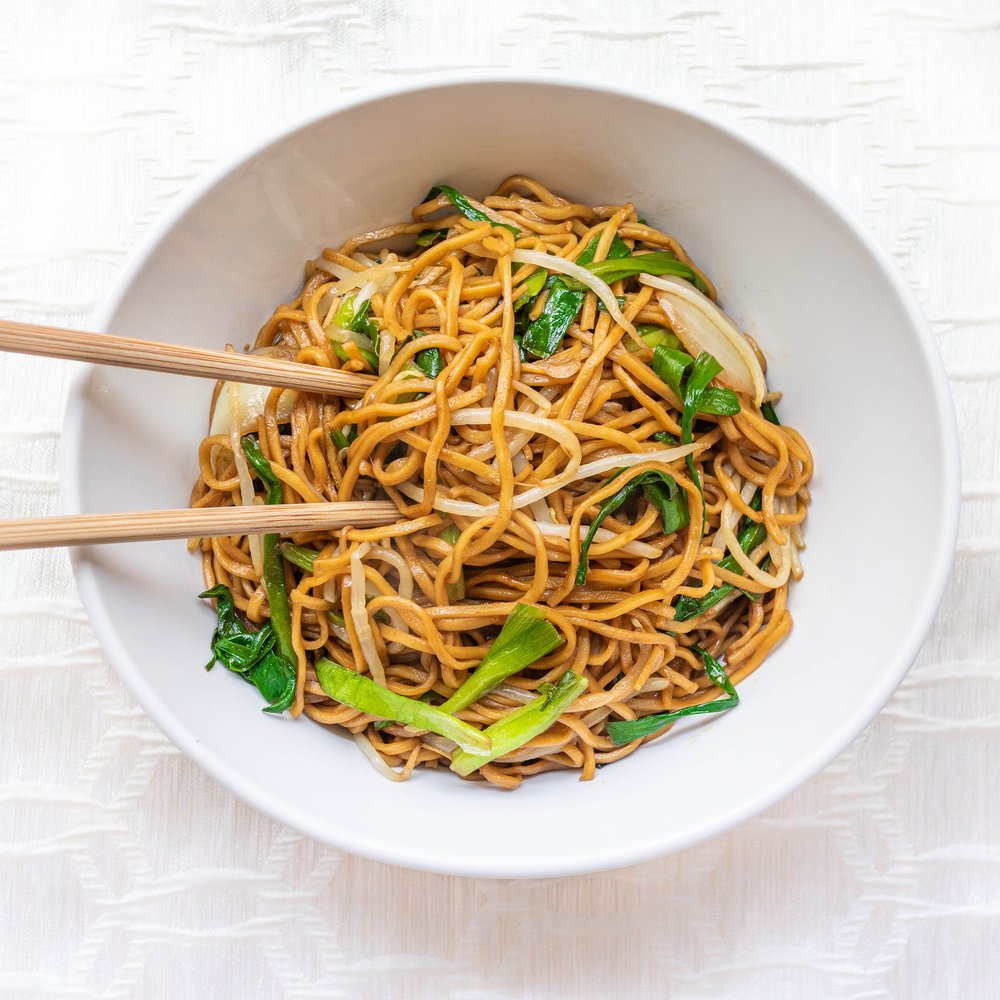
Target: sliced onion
x: 553, y: 263
x: 465, y: 508
x: 348, y: 280
x: 360, y: 615
x: 703, y: 326
x: 729, y: 518
x: 634, y: 548
x: 377, y: 760
x: 252, y: 398
x: 247, y: 495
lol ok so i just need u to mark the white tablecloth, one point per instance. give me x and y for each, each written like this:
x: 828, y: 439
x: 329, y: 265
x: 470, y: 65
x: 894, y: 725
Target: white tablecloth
x: 126, y: 873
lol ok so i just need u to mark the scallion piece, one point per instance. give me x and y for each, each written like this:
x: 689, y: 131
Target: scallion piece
x: 662, y: 493
x: 545, y: 335
x: 250, y: 654
x: 362, y: 693
x: 526, y: 636
x: 751, y: 534
x: 431, y: 236
x: 767, y: 412
x: 274, y: 566
x: 657, y: 262
x: 466, y: 207
x: 299, y: 555
x: 655, y: 336
x: 622, y: 731
x: 523, y: 724
x: 455, y: 591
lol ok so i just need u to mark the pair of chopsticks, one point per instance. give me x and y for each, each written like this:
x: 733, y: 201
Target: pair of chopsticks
x: 127, y: 352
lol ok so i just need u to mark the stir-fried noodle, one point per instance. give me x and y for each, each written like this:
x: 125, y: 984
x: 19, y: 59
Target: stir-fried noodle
x: 541, y: 365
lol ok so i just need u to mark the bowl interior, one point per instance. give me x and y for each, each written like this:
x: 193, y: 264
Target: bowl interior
x: 843, y: 343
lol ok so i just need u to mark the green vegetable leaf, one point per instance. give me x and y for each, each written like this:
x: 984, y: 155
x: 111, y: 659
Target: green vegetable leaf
x: 657, y: 262
x: 767, y: 412
x: 662, y: 493
x: 431, y: 236
x: 664, y: 438
x: 655, y: 335
x: 622, y: 731
x: 370, y: 357
x: 429, y: 361
x: 531, y: 289
x: 704, y: 369
x: 751, y: 534
x: 720, y: 402
x: 466, y: 207
x: 455, y: 591
x: 363, y: 694
x: 274, y: 566
x: 250, y: 654
x: 523, y: 724
x: 299, y: 555
x: 670, y: 364
x: 526, y: 636
x: 545, y: 335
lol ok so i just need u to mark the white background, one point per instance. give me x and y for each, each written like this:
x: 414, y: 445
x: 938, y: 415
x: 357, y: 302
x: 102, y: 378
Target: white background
x: 126, y: 873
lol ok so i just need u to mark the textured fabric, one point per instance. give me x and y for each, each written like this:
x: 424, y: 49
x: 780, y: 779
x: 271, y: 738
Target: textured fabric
x: 126, y: 873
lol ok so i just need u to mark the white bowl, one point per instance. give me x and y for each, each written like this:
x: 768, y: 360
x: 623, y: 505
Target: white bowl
x: 844, y: 342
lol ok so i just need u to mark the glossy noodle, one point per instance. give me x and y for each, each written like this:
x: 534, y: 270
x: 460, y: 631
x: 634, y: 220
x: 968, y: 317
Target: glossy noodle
x: 580, y: 444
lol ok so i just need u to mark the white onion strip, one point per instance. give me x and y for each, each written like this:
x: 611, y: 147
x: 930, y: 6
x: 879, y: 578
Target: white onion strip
x: 553, y: 263
x: 729, y: 519
x: 377, y: 760
x: 703, y: 326
x: 465, y: 508
x: 360, y: 615
x: 348, y: 280
x: 635, y: 548
x: 247, y: 494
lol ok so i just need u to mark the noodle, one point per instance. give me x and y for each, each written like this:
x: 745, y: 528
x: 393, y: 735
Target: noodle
x: 497, y: 453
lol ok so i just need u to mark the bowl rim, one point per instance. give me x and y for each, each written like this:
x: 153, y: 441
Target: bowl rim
x: 940, y: 556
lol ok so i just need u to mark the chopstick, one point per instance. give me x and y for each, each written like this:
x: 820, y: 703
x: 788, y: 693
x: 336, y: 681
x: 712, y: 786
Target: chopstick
x: 200, y: 522
x: 178, y: 359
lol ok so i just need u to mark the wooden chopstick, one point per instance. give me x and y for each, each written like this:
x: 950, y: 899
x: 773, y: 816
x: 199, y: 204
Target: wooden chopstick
x: 178, y: 359
x: 200, y: 522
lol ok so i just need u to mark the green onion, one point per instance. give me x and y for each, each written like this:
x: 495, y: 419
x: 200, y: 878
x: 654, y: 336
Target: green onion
x: 531, y: 289
x: 371, y: 358
x: 299, y: 555
x: 662, y: 493
x: 523, y: 724
x: 664, y: 438
x: 363, y: 694
x: 658, y: 262
x: 428, y: 360
x: 359, y: 321
x: 431, y: 236
x: 250, y: 654
x: 545, y: 335
x: 339, y: 439
x: 704, y: 369
x: 767, y: 412
x: 466, y: 207
x: 455, y: 591
x: 655, y: 335
x: 670, y: 364
x: 622, y: 731
x: 274, y: 566
x: 750, y: 536
x: 526, y: 636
